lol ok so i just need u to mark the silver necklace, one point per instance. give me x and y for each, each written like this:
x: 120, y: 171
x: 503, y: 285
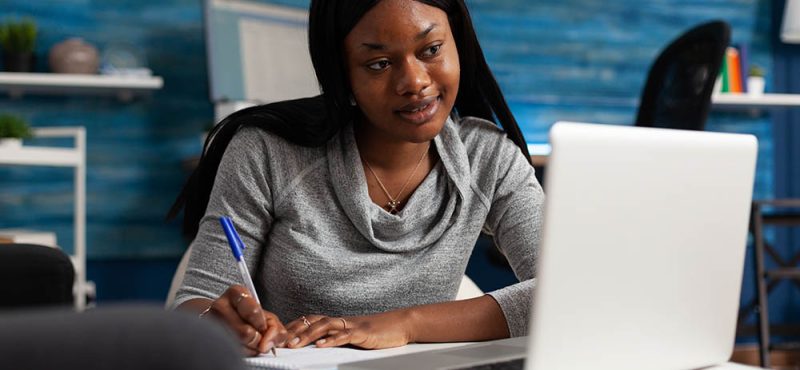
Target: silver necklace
x: 394, y: 202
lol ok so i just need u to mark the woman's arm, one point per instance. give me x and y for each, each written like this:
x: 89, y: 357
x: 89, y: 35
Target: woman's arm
x: 209, y: 288
x: 475, y: 319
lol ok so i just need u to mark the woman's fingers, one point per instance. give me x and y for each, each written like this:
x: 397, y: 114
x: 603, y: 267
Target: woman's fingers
x: 297, y: 326
x: 258, y: 330
x: 275, y: 335
x: 300, y: 325
x: 224, y: 310
x: 369, y: 332
x: 336, y: 339
x: 247, y: 307
x: 339, y: 337
x: 316, y: 328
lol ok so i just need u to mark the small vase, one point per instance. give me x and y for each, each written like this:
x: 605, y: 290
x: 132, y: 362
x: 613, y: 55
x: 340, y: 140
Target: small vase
x: 18, y: 62
x: 10, y: 143
x: 755, y: 85
x: 74, y: 55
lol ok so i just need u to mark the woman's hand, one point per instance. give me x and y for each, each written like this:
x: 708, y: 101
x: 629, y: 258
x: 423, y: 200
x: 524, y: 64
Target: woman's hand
x: 257, y: 329
x: 385, y: 330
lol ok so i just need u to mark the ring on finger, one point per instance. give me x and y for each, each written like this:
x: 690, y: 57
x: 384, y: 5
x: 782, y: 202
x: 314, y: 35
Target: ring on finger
x: 205, y: 312
x: 306, y: 322
x: 240, y: 297
x: 344, y: 322
x: 255, y: 339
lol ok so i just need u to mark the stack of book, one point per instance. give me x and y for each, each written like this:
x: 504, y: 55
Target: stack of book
x: 734, y: 71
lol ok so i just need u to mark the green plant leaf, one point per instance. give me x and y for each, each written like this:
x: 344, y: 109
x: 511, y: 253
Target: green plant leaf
x: 12, y: 126
x: 18, y: 36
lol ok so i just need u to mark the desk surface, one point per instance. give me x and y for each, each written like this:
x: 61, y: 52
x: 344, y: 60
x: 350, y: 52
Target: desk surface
x: 329, y: 358
x: 344, y: 355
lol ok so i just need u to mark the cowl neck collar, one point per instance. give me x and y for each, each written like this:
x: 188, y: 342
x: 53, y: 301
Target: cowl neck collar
x: 433, y: 207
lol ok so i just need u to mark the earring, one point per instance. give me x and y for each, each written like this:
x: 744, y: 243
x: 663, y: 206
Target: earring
x: 352, y: 100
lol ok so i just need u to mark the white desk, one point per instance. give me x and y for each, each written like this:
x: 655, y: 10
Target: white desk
x: 330, y: 358
x: 308, y: 360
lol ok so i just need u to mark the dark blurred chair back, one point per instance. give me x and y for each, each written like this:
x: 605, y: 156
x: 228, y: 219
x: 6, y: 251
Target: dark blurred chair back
x: 119, y: 338
x: 678, y: 90
x: 34, y: 276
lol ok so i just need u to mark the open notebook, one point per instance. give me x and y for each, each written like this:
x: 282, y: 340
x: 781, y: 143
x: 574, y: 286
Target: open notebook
x: 312, y: 358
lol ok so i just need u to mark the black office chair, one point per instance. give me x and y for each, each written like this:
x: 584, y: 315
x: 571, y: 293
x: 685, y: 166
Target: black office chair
x: 678, y: 90
x: 34, y: 276
x: 120, y: 338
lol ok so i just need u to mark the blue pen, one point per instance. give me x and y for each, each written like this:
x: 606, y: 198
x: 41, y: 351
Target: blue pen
x: 237, y: 246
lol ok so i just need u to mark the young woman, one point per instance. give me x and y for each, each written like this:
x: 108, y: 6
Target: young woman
x: 361, y: 206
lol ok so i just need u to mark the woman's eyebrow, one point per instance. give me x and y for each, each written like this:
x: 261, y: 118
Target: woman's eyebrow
x: 425, y: 33
x: 418, y: 37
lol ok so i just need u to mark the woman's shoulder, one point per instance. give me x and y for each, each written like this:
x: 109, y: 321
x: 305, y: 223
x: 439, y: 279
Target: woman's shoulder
x: 267, y: 153
x: 493, y: 157
x: 257, y: 141
x: 483, y: 138
x: 473, y: 126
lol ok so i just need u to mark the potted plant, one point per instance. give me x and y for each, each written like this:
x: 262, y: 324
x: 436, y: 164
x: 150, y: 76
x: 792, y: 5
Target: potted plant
x: 12, y: 130
x: 755, y: 80
x: 18, y: 40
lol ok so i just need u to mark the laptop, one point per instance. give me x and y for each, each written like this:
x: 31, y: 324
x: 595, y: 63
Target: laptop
x: 642, y: 255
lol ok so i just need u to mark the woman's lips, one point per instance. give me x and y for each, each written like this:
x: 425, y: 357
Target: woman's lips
x: 420, y: 112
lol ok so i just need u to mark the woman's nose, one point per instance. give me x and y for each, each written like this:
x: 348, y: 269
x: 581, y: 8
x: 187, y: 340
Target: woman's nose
x: 412, y: 78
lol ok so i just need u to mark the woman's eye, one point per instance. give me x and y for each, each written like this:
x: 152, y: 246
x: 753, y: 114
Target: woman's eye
x: 433, y: 50
x: 379, y: 65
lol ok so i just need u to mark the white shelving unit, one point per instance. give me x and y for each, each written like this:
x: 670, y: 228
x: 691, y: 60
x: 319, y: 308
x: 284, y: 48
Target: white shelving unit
x: 755, y: 101
x: 124, y: 87
x: 74, y: 157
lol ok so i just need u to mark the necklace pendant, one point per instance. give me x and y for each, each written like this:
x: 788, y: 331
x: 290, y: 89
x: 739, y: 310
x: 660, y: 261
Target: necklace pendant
x: 393, y: 204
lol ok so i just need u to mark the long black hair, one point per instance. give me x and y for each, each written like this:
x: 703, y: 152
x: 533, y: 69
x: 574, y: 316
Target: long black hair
x: 313, y: 121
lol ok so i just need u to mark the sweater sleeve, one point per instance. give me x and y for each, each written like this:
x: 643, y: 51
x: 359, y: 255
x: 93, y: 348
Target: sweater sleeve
x: 515, y: 223
x: 240, y: 192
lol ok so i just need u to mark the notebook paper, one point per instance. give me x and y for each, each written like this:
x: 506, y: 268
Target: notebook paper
x: 312, y: 358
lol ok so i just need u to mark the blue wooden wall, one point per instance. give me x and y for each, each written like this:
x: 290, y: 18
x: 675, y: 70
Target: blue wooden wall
x: 787, y: 172
x: 134, y: 149
x: 581, y: 60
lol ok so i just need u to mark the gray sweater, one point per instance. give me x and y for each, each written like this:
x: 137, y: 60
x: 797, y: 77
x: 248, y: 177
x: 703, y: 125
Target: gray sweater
x: 317, y: 244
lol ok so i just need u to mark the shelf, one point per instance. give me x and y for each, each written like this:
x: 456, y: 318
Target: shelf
x: 74, y: 157
x: 765, y: 100
x: 125, y: 87
x: 40, y: 156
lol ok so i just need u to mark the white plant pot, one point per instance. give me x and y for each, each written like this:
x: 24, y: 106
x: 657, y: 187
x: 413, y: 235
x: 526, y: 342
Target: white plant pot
x: 10, y: 143
x: 755, y: 85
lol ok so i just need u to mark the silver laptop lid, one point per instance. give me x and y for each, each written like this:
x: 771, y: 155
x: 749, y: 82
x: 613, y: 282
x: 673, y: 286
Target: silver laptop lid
x: 643, y: 248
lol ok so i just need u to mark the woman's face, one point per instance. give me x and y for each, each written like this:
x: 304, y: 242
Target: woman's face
x: 404, y: 69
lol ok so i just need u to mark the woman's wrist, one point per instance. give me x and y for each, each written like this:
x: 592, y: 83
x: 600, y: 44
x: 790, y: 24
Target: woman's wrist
x: 410, y: 319
x: 444, y: 321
